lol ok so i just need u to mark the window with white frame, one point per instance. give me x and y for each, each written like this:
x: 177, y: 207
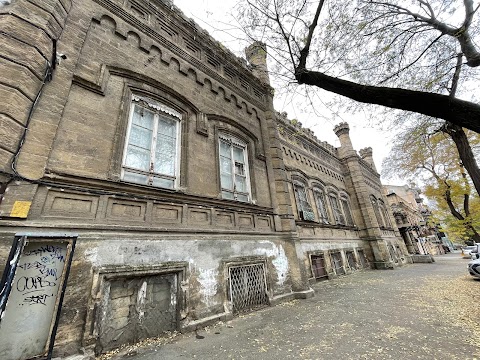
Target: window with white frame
x: 304, y: 209
x: 337, y: 211
x: 152, y: 149
x: 234, y: 172
x: 347, y: 212
x: 321, y: 205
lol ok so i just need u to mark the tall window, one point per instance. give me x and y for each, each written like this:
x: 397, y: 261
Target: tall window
x: 384, y: 212
x: 234, y: 176
x: 321, y: 206
x: 377, y: 211
x: 152, y: 149
x: 337, y: 212
x: 347, y: 212
x: 304, y: 208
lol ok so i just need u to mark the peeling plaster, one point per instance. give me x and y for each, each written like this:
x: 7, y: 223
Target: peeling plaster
x: 280, y: 261
x: 208, y: 279
x: 91, y: 255
x: 141, y: 299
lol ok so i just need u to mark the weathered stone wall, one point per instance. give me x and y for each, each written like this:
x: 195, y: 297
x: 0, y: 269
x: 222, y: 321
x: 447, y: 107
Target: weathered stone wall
x: 74, y: 146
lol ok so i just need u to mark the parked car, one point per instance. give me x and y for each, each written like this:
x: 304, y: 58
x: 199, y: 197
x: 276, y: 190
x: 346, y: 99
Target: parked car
x: 467, y: 251
x: 475, y: 253
x: 474, y: 268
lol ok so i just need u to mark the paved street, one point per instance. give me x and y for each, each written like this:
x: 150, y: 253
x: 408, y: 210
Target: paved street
x: 420, y: 311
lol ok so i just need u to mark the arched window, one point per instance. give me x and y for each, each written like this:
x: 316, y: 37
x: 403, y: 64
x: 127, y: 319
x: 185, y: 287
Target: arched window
x: 384, y: 213
x: 336, y: 209
x: 321, y: 203
x: 346, y: 210
x: 377, y: 211
x: 152, y: 150
x: 304, y: 208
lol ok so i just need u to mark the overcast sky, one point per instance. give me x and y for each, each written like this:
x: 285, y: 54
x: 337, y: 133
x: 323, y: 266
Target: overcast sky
x: 215, y: 16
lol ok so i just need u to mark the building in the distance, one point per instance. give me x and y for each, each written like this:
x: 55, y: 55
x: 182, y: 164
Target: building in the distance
x: 147, y: 184
x: 411, y: 217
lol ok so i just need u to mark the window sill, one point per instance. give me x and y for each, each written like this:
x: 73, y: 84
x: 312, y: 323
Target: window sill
x: 328, y: 226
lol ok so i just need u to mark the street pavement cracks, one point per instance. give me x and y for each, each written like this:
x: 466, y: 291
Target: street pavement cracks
x: 418, y: 311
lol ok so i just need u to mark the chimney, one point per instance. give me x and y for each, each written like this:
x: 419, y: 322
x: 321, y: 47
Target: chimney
x: 257, y: 57
x: 366, y: 154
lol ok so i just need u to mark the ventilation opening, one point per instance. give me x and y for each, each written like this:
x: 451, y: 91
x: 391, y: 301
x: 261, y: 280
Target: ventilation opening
x: 248, y: 287
x: 318, y: 267
x: 136, y: 308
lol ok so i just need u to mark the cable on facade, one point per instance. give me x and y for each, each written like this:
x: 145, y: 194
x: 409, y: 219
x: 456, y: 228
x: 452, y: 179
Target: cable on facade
x: 47, y: 77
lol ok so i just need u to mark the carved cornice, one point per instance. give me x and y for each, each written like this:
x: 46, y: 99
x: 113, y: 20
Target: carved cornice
x: 184, y: 55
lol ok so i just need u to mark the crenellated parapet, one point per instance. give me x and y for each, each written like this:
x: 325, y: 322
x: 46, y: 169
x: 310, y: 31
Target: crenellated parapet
x: 163, y: 22
x: 294, y: 128
x: 341, y: 129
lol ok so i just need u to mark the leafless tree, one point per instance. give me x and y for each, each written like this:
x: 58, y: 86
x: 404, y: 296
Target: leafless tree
x: 421, y: 57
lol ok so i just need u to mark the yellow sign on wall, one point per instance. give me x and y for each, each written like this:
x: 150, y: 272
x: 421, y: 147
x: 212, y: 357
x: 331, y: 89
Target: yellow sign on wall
x: 20, y: 209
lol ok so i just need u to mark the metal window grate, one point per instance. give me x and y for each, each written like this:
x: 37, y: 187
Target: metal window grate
x: 352, y: 263
x: 248, y: 287
x: 363, y: 259
x: 318, y: 267
x: 337, y: 263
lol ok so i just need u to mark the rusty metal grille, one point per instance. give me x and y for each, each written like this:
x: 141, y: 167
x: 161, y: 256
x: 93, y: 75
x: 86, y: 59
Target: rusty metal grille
x: 337, y: 263
x: 352, y: 263
x: 248, y: 287
x: 318, y: 267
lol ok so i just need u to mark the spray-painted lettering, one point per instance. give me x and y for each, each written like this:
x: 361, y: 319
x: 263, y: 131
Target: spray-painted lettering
x: 48, y: 251
x: 37, y: 299
x: 42, y: 269
x: 27, y: 283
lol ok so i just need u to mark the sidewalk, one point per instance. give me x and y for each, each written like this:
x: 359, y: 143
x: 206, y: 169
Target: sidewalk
x: 420, y: 311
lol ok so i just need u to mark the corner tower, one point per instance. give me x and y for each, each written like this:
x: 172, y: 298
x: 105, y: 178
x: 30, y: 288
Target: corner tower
x: 364, y: 182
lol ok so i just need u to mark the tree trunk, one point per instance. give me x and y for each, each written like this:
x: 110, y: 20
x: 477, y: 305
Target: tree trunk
x: 476, y: 235
x: 459, y: 112
x: 465, y: 152
x: 448, y: 198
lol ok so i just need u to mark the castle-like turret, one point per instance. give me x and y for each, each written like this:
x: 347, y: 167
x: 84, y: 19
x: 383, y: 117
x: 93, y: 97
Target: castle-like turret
x: 256, y: 55
x: 342, y: 130
x: 367, y: 155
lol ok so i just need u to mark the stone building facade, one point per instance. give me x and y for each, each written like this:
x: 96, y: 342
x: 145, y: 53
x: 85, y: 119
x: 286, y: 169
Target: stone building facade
x: 135, y: 146
x: 411, y: 217
x: 342, y: 218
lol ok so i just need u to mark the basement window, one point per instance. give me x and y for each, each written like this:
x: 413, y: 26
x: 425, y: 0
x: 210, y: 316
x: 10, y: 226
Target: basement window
x: 318, y: 267
x: 337, y: 263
